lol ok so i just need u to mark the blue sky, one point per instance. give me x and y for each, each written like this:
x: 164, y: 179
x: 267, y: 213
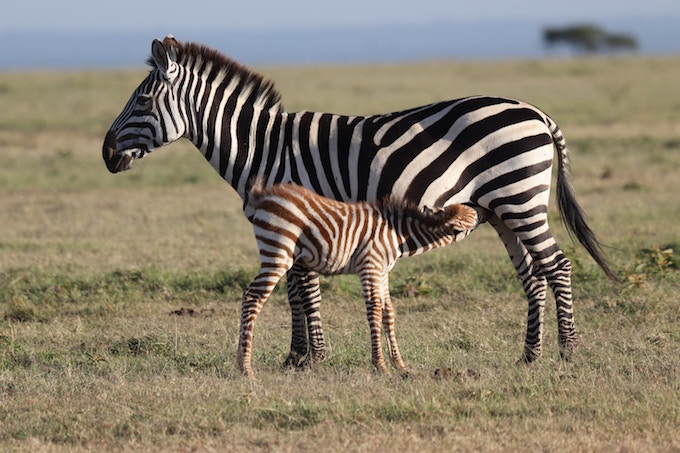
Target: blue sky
x: 87, y: 33
x: 187, y: 15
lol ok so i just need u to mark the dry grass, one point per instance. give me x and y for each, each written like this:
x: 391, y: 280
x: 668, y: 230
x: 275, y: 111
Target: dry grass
x: 97, y: 353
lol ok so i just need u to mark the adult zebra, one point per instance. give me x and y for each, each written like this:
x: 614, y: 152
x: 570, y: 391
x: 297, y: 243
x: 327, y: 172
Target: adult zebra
x: 495, y: 154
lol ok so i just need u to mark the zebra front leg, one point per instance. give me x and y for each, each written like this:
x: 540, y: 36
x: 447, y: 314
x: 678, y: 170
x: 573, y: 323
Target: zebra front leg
x: 254, y: 298
x: 388, y: 317
x: 250, y: 308
x: 311, y: 304
x: 307, y: 345
x: 298, y: 341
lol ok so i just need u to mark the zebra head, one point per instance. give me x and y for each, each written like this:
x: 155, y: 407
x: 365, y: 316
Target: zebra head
x: 150, y: 118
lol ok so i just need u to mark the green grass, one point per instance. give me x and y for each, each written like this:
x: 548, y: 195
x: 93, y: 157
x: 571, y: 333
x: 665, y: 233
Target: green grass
x: 120, y: 294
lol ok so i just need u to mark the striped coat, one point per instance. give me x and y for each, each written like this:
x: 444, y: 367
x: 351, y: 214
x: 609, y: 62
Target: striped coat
x: 295, y: 226
x: 493, y: 153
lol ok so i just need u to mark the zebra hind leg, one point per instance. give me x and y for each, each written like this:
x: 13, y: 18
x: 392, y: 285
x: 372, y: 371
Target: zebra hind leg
x: 535, y: 288
x: 298, y: 342
x: 370, y: 285
x: 559, y: 279
x: 388, y: 317
x: 543, y: 264
x: 388, y: 325
x: 555, y: 269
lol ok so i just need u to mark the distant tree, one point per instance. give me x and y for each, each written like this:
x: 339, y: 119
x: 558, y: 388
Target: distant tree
x: 620, y: 42
x: 589, y: 38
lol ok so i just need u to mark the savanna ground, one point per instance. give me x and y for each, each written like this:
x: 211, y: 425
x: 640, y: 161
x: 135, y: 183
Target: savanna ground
x: 120, y: 294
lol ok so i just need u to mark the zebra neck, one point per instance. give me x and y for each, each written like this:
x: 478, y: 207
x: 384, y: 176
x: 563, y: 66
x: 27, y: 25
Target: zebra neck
x: 417, y: 238
x: 307, y: 148
x: 243, y: 144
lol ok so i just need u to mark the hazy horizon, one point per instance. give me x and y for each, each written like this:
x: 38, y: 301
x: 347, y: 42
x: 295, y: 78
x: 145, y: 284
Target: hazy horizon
x: 484, y: 39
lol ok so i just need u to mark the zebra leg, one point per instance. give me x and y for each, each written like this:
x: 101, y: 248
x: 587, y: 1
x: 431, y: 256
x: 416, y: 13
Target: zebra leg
x: 298, y: 342
x: 547, y: 265
x: 534, y: 285
x: 371, y: 290
x: 549, y: 262
x: 388, y: 317
x: 557, y: 271
x: 559, y: 279
x: 307, y: 345
x: 254, y: 298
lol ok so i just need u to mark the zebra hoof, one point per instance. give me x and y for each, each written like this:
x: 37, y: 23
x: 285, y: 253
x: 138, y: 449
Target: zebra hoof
x: 528, y: 357
x: 567, y: 349
x: 294, y: 360
x: 312, y: 359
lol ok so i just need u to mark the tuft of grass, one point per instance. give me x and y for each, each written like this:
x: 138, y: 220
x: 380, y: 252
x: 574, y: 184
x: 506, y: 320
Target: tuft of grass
x: 37, y: 296
x: 414, y: 286
x: 18, y: 310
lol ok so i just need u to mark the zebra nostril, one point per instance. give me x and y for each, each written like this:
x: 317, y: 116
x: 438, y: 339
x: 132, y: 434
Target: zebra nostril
x: 110, y: 140
x: 111, y: 157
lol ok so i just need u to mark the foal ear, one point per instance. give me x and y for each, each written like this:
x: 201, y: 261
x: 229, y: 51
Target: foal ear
x: 164, y: 56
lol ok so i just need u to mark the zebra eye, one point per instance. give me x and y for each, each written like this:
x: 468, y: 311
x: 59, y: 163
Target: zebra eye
x: 143, y: 100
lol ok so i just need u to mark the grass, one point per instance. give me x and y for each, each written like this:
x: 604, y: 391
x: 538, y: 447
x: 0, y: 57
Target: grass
x: 119, y: 295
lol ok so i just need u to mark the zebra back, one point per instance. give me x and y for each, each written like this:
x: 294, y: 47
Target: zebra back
x: 347, y: 234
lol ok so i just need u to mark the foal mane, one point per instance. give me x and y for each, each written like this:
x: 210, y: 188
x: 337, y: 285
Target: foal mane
x: 435, y: 218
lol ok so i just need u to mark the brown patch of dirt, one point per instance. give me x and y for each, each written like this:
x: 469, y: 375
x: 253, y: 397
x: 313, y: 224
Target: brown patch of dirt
x: 193, y: 312
x: 461, y: 376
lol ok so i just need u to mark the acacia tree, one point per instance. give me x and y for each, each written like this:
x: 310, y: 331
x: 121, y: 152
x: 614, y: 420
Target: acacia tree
x: 588, y: 38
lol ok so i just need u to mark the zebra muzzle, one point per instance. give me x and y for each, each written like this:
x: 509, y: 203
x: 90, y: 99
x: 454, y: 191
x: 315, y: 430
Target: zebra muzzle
x: 114, y: 160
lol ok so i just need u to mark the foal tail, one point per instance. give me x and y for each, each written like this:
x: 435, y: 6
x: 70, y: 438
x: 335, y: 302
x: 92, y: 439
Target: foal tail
x: 572, y: 214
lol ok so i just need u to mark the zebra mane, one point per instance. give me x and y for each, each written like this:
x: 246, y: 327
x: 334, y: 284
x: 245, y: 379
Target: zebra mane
x: 194, y: 54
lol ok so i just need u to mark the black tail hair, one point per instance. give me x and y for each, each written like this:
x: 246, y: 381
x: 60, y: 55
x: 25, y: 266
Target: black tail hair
x: 570, y: 211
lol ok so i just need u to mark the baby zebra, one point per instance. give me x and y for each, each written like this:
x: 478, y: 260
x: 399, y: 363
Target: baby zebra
x: 294, y: 226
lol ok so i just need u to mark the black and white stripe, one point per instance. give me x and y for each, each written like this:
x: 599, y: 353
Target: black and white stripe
x: 493, y: 153
x: 295, y: 226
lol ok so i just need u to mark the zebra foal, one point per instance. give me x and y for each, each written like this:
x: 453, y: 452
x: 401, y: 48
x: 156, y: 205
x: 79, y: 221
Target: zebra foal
x: 296, y: 227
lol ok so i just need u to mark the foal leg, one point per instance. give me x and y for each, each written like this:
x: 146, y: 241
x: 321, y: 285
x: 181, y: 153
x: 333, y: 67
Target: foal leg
x: 370, y: 284
x: 253, y: 300
x: 388, y: 317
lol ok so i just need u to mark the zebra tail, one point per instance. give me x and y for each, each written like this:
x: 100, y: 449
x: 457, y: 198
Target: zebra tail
x: 571, y: 212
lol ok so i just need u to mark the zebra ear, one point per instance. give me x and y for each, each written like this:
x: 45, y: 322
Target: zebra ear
x: 164, y: 58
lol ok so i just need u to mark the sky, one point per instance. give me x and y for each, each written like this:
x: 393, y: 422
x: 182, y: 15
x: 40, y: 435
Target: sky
x: 215, y: 15
x: 89, y: 34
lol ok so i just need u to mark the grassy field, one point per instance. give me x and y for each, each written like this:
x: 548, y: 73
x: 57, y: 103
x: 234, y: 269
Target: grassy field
x: 120, y: 294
